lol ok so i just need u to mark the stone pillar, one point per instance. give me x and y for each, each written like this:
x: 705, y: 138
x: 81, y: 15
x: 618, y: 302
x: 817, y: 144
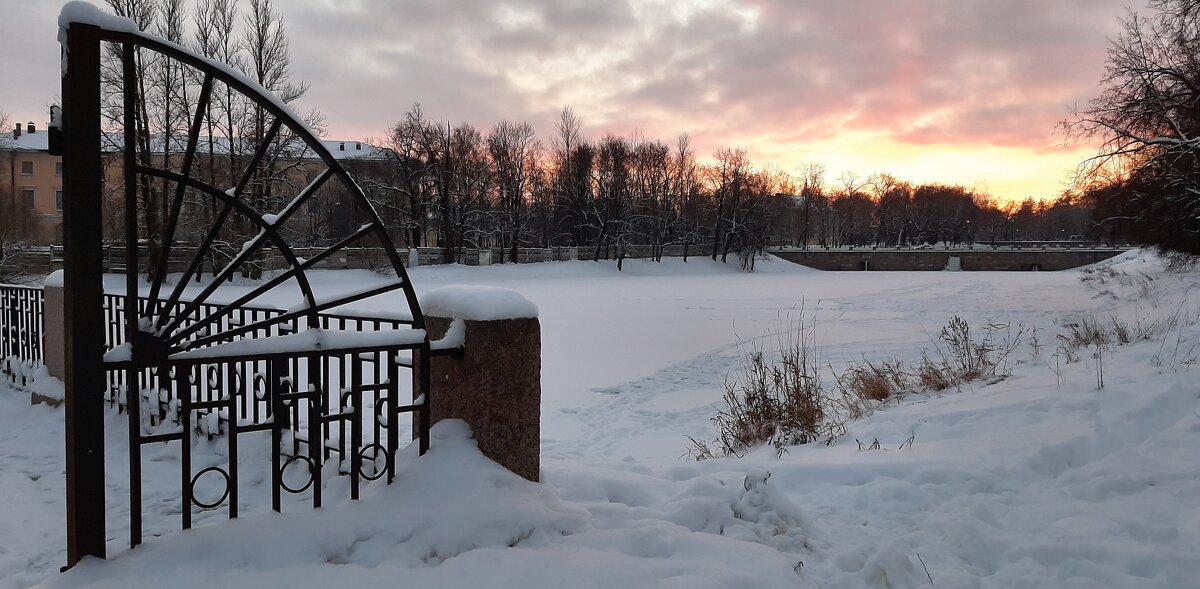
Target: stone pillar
x: 54, y: 342
x: 493, y: 380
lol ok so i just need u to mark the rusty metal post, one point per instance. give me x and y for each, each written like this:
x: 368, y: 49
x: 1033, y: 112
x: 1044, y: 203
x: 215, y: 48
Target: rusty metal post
x: 83, y: 295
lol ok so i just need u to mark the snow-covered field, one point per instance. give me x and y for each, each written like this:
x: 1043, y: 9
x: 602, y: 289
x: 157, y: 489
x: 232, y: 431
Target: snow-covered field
x: 1039, y: 480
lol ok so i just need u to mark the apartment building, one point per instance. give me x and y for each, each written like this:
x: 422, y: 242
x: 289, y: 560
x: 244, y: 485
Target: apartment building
x: 32, y: 183
x: 32, y: 180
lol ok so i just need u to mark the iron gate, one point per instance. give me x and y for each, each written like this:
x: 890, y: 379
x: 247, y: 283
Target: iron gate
x: 194, y: 366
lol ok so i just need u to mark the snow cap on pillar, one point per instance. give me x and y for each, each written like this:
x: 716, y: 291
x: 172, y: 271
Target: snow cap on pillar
x: 477, y: 303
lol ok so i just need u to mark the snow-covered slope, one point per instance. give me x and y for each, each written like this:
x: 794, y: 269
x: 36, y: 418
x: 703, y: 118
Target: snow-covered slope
x: 1039, y: 480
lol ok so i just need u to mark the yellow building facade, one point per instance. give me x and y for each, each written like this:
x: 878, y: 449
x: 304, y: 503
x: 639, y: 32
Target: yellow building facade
x: 31, y: 182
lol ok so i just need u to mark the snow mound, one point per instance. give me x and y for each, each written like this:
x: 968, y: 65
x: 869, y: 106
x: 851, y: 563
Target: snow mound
x: 454, y: 518
x: 477, y: 303
x: 450, y: 502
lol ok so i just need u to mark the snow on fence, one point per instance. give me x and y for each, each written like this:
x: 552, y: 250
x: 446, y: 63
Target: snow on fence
x: 23, y: 332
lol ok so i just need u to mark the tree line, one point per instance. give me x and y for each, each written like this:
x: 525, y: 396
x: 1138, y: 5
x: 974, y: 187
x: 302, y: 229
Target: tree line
x: 457, y: 187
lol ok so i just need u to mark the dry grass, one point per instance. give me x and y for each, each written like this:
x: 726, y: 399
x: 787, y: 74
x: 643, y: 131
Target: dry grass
x: 958, y: 357
x: 1181, y: 262
x: 1084, y: 333
x: 784, y: 402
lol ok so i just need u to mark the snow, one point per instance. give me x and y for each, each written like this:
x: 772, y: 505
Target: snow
x: 77, y: 11
x: 54, y: 279
x: 42, y: 383
x: 1035, y: 480
x: 477, y: 303
x: 119, y: 353
x: 455, y: 337
x: 312, y: 340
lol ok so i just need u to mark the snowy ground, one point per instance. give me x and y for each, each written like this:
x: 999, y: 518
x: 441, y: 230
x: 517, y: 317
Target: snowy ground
x: 1040, y: 480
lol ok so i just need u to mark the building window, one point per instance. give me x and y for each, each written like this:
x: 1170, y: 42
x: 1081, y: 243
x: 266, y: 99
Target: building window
x: 27, y: 198
x: 58, y: 199
x: 58, y: 168
x: 26, y: 168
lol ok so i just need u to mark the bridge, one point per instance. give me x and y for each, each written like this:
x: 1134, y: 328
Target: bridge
x: 1021, y: 256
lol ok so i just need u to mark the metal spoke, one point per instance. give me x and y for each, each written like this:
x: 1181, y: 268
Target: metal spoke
x: 183, y: 334
x: 177, y: 204
x: 312, y: 310
x: 259, y: 153
x: 266, y: 231
x: 211, y: 237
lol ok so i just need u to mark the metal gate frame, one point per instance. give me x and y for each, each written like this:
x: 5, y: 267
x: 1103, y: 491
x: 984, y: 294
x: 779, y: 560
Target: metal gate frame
x: 166, y: 350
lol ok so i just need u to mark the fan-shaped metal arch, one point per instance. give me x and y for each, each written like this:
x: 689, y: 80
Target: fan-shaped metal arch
x: 177, y: 334
x: 176, y: 327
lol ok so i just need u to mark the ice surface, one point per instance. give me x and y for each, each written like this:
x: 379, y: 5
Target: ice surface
x: 1038, y: 480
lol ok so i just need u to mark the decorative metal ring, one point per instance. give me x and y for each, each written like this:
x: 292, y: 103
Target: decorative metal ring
x: 350, y: 395
x: 381, y: 413
x: 260, y: 387
x: 239, y: 383
x: 192, y: 488
x: 312, y: 474
x: 214, y: 376
x: 380, y: 471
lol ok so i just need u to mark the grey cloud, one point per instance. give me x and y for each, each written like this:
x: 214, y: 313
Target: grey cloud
x: 924, y: 71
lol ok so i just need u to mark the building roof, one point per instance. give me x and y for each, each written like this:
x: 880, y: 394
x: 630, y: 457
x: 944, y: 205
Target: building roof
x: 340, y: 148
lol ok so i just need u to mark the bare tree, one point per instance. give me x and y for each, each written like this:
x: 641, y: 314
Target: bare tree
x: 727, y: 179
x: 812, y: 176
x: 515, y: 151
x: 11, y: 212
x: 569, y: 194
x: 1148, y: 122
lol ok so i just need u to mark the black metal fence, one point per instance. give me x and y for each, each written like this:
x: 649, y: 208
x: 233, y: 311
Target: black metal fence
x: 114, y: 309
x: 337, y: 408
x: 21, y: 350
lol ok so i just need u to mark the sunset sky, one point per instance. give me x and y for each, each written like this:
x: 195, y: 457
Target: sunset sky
x: 955, y: 91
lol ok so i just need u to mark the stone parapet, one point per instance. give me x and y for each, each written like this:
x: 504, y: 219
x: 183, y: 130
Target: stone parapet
x: 492, y: 380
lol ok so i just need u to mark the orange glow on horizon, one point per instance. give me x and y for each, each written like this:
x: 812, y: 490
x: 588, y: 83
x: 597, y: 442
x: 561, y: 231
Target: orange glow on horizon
x: 1005, y: 173
x: 1008, y: 174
